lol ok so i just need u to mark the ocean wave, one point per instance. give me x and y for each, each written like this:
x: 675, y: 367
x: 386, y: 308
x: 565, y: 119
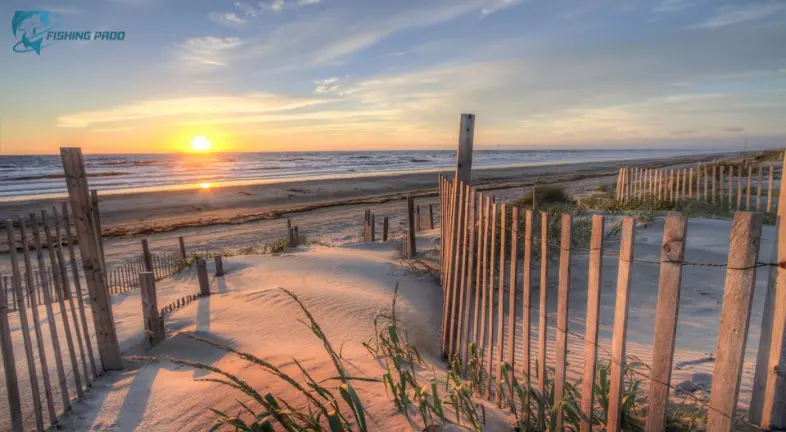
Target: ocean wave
x: 59, y: 176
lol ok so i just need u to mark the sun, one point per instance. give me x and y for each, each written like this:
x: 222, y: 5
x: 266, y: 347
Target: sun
x: 200, y: 144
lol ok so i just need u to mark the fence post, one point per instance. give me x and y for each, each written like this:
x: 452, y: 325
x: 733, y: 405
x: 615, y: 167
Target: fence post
x: 563, y: 294
x: 500, y: 303
x: 621, y: 322
x: 291, y: 237
x: 204, y: 281
x: 720, y: 185
x: 769, y: 191
x: 769, y: 383
x: 490, y: 293
x: 594, y: 279
x: 411, y: 249
x: 154, y: 325
x: 373, y: 227
x: 385, y: 229
x: 714, y: 180
x: 739, y: 188
x: 464, y: 153
x: 514, y: 247
x: 101, y: 306
x: 672, y: 254
x: 734, y: 319
x: 148, y: 259
x: 526, y: 324
x: 219, y: 264
x: 366, y: 223
x: 430, y: 216
x: 182, y: 247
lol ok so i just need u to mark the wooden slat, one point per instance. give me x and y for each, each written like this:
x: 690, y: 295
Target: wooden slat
x: 563, y: 298
x: 706, y: 183
x: 542, y: 315
x: 63, y: 269
x: 457, y: 282
x: 690, y: 183
x: 734, y: 319
x: 485, y: 296
x: 672, y: 254
x: 500, y: 303
x: 739, y: 187
x: 456, y: 198
x: 758, y: 189
x: 512, y: 284
x: 468, y: 276
x: 479, y: 293
x: 78, y: 290
x: 154, y: 325
x: 769, y: 386
x: 28, y: 344
x: 58, y: 282
x: 714, y: 181
x: 526, y: 325
x: 748, y: 189
x: 42, y: 357
x: 621, y: 322
x: 13, y: 398
x: 731, y: 187
x: 594, y: 279
x: 769, y: 191
x: 492, y: 265
x: 720, y: 184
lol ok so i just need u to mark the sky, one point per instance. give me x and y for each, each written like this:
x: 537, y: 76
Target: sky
x: 310, y: 75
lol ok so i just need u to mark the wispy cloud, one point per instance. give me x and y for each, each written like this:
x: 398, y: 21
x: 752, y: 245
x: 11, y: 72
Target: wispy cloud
x: 327, y: 85
x: 308, y: 2
x: 250, y: 104
x: 274, y: 5
x: 63, y: 10
x: 247, y: 9
x: 207, y: 52
x: 498, y: 5
x: 227, y: 18
x: 673, y: 5
x: 728, y: 15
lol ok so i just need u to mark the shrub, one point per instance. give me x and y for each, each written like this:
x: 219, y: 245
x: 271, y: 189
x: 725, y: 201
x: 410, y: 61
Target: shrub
x: 545, y: 195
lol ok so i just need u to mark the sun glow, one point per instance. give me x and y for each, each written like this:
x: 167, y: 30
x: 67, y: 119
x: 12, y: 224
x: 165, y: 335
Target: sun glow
x: 200, y: 144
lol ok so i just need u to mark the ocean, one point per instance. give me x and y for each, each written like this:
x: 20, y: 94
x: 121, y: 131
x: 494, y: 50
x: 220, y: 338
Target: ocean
x: 25, y: 177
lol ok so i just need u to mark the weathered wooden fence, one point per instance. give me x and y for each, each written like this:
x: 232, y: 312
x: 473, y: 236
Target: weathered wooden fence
x: 741, y: 185
x: 490, y: 256
x: 47, y: 289
x: 123, y: 277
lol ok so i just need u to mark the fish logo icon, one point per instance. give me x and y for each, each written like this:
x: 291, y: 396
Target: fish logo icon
x: 30, y: 28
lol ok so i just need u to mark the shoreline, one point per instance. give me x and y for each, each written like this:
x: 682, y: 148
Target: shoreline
x: 142, y: 213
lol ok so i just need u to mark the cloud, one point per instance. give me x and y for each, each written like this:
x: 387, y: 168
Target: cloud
x: 728, y: 15
x: 498, y: 5
x: 63, y: 10
x: 733, y: 129
x: 247, y: 9
x: 250, y: 104
x: 274, y: 5
x: 207, y: 52
x: 308, y: 2
x: 327, y: 85
x: 673, y: 5
x: 227, y: 18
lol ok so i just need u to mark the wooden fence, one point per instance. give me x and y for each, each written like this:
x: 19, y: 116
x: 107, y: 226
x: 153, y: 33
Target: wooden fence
x: 491, y: 254
x: 733, y: 185
x: 124, y: 277
x: 38, y: 246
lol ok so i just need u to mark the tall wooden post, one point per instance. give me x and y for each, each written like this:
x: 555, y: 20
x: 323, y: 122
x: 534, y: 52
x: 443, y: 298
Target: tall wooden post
x: 146, y: 256
x: 9, y: 363
x: 385, y: 229
x: 411, y: 249
x: 464, y: 153
x: 100, y: 304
